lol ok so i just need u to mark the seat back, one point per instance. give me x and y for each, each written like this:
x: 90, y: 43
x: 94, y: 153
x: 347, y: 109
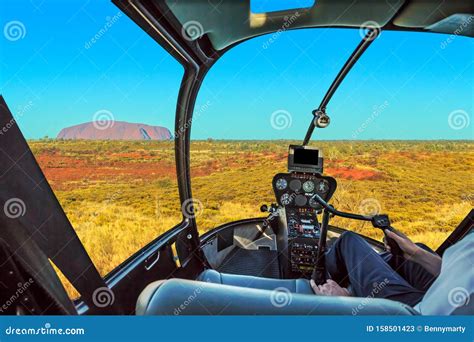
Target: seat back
x: 186, y: 297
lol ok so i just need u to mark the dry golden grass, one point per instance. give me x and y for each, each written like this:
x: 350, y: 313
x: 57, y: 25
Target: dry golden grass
x: 120, y: 195
x: 427, y: 188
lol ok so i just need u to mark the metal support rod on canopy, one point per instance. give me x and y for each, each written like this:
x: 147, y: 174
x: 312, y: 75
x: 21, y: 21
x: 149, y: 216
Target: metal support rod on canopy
x: 371, y: 35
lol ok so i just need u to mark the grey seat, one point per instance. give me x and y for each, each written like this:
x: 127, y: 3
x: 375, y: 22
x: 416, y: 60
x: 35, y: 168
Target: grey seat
x: 292, y: 285
x: 273, y: 297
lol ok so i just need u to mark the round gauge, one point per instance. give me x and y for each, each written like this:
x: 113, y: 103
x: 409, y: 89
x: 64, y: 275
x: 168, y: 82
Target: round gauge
x: 295, y: 184
x: 285, y: 199
x: 313, y: 203
x: 281, y: 184
x: 323, y: 186
x: 300, y: 200
x: 308, y: 186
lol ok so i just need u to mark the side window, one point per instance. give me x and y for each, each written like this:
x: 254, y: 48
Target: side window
x: 96, y: 103
x: 406, y: 107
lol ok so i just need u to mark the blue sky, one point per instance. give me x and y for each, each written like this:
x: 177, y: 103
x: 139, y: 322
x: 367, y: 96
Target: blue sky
x: 406, y: 86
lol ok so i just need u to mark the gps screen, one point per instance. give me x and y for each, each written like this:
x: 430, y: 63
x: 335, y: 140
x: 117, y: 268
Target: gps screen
x: 306, y: 156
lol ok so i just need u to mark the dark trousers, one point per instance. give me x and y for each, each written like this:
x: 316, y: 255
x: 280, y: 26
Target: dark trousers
x: 351, y: 261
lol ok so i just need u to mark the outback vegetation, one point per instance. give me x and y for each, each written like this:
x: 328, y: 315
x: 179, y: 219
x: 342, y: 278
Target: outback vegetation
x: 120, y: 195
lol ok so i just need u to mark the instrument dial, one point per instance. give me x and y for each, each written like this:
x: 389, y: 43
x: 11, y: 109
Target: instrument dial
x: 281, y: 184
x: 323, y: 186
x: 308, y: 186
x: 285, y: 199
x: 295, y: 185
x: 300, y: 200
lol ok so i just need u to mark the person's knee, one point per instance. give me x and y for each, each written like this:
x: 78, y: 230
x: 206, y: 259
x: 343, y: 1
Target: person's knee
x: 349, y: 236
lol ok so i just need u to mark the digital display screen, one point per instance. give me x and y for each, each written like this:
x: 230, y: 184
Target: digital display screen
x: 306, y: 156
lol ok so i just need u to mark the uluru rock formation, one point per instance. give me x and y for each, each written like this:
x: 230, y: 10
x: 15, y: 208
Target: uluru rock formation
x: 114, y: 130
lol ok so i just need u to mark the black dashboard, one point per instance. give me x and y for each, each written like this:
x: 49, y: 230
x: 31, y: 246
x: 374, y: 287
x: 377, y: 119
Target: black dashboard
x: 296, y: 189
x: 294, y: 192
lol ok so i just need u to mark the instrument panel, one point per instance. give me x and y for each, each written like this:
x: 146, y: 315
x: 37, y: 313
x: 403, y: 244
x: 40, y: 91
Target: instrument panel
x: 294, y: 191
x: 297, y: 189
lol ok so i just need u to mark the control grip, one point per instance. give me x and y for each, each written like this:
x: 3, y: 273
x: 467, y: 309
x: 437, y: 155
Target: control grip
x: 394, y: 247
x: 383, y: 222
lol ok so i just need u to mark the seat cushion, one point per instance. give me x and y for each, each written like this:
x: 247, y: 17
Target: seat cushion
x: 291, y: 285
x: 188, y: 297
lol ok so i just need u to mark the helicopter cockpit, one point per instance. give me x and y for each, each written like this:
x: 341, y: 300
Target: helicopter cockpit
x: 244, y: 264
x: 287, y: 251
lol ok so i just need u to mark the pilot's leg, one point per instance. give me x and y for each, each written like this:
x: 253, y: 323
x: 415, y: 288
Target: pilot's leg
x: 352, y: 261
x: 414, y: 273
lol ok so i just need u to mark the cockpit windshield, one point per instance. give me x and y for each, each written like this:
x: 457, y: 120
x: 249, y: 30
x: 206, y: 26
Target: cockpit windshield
x: 391, y: 151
